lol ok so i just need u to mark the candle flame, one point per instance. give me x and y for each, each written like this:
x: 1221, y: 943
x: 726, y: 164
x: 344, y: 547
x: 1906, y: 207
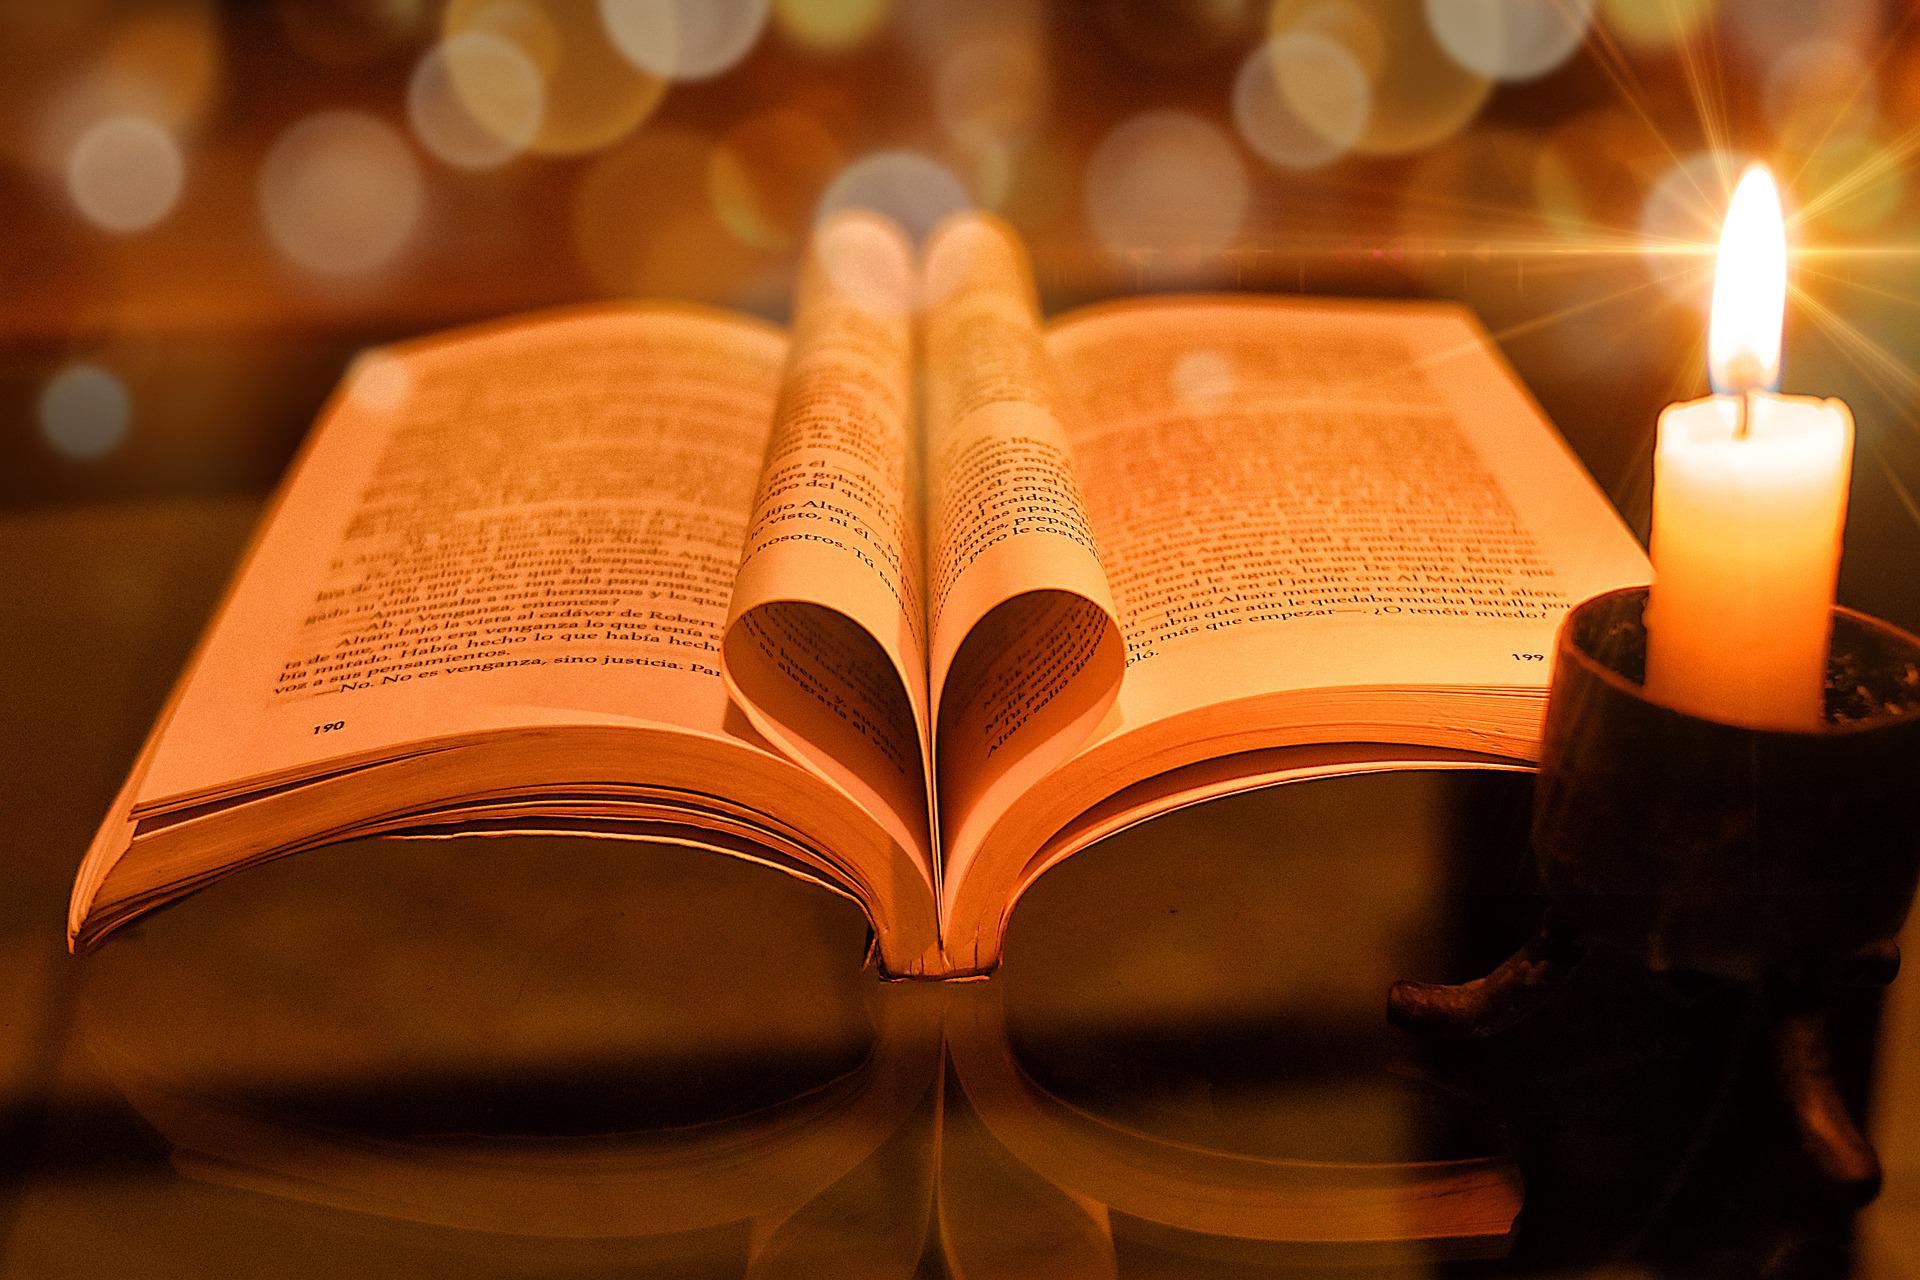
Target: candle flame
x: 1749, y: 289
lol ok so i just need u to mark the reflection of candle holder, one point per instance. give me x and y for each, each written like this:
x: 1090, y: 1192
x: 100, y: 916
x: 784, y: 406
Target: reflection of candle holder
x: 1782, y: 859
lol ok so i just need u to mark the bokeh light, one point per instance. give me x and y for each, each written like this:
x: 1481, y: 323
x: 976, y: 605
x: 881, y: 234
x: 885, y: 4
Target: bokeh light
x: 992, y: 89
x: 1510, y: 39
x: 592, y: 95
x: 84, y: 411
x: 379, y: 382
x: 1861, y: 182
x: 161, y: 65
x: 1559, y: 192
x: 829, y: 26
x: 1165, y: 181
x: 159, y: 119
x: 648, y: 181
x: 768, y: 172
x: 684, y: 39
x: 476, y: 100
x: 1655, y: 24
x: 644, y: 225
x: 1419, y: 94
x: 1202, y: 381
x: 1766, y: 29
x: 1680, y: 222
x: 1301, y: 100
x: 1525, y: 227
x: 1820, y: 90
x: 1584, y: 171
x: 870, y: 258
x: 125, y: 174
x: 164, y: 63
x: 935, y: 29
x: 912, y: 189
x: 340, y: 193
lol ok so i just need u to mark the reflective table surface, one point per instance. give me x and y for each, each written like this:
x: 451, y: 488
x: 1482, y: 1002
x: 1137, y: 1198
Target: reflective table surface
x: 510, y: 1057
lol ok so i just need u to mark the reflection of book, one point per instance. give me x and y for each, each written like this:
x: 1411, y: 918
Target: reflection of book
x: 662, y: 573
x: 1286, y: 1207
x: 938, y: 1139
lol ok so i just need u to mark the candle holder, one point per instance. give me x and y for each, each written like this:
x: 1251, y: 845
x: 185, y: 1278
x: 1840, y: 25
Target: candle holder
x: 1785, y: 860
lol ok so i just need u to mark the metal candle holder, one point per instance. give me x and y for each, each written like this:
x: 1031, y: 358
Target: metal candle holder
x: 1786, y: 860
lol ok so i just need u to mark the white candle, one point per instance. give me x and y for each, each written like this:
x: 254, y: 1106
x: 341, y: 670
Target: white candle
x: 1749, y: 496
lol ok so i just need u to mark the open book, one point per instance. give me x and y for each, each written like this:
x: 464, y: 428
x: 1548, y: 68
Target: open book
x: 912, y: 600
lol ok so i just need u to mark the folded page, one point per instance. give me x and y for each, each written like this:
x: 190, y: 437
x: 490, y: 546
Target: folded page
x: 825, y: 650
x: 1026, y: 651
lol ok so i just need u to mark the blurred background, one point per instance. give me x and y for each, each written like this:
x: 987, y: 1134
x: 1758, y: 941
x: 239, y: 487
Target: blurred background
x: 210, y: 207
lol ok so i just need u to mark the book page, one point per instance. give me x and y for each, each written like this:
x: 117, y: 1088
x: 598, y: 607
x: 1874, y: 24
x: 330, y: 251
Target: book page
x: 1326, y: 495
x: 825, y: 648
x: 536, y: 524
x: 499, y: 572
x: 1324, y: 522
x: 1025, y: 649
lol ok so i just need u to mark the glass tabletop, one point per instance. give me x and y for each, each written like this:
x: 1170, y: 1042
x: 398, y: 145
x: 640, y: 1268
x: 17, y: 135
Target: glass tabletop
x: 546, y: 1056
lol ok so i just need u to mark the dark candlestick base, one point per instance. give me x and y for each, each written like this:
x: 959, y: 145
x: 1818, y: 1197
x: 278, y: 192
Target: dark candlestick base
x: 1485, y: 1006
x: 1786, y: 860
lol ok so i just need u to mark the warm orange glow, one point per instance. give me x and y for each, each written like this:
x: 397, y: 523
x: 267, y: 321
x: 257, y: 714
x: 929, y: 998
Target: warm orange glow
x: 1749, y: 289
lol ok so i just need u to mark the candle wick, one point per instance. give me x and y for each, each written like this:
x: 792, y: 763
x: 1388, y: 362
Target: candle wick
x: 1743, y: 414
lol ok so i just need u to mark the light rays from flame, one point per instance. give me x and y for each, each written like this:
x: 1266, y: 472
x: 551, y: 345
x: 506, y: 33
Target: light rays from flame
x: 1509, y: 231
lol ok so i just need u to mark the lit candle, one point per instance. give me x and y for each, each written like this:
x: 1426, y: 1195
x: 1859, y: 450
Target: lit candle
x: 1749, y: 495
